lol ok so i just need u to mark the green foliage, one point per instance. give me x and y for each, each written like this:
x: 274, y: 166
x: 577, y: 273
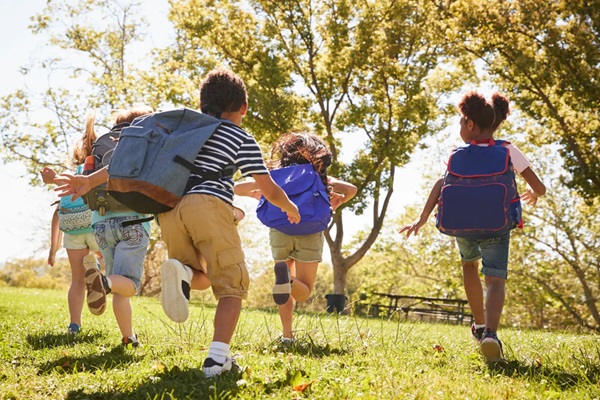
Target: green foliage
x: 95, y: 48
x: 32, y: 273
x: 347, y: 71
x: 335, y: 357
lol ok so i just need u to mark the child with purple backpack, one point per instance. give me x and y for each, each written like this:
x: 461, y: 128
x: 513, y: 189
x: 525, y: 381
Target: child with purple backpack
x: 298, y: 249
x: 479, y: 120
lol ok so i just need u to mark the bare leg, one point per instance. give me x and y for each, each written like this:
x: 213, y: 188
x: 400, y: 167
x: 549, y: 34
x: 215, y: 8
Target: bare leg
x: 226, y: 318
x: 123, y: 314
x: 494, y: 302
x: 76, y: 294
x: 286, y: 315
x: 474, y: 290
x: 200, y: 280
x: 122, y: 290
x: 304, y: 276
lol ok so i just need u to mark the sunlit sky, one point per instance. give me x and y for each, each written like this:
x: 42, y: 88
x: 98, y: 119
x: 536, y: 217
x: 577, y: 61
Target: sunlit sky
x: 25, y: 211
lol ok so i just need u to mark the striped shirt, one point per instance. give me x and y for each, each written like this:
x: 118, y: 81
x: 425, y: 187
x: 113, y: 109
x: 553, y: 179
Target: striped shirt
x: 229, y: 145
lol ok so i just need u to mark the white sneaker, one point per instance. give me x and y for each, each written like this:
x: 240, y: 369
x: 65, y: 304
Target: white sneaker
x: 212, y: 368
x: 175, y: 290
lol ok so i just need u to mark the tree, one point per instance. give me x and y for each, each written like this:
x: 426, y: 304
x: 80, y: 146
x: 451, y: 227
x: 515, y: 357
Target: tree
x: 350, y: 71
x: 94, y: 65
x: 92, y: 68
x: 547, y: 54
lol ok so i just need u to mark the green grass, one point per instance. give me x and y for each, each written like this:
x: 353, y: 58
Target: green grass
x: 339, y: 357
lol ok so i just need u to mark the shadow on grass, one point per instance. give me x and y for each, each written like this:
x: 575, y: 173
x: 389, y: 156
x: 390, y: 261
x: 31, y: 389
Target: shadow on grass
x: 306, y: 347
x: 173, y: 384
x: 537, y: 372
x: 115, y: 358
x: 50, y: 340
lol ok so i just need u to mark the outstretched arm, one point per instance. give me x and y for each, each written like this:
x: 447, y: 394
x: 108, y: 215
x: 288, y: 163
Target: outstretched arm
x: 535, y: 188
x: 78, y: 185
x: 276, y: 196
x: 432, y: 200
x: 249, y: 189
x: 341, y: 192
x: 55, y: 238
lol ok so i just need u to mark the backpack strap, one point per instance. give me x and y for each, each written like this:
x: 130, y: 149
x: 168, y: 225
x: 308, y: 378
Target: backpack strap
x: 136, y: 221
x: 226, y: 172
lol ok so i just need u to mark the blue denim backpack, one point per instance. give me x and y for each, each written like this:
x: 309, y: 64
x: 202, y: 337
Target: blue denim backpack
x: 479, y: 197
x: 304, y: 187
x: 154, y: 159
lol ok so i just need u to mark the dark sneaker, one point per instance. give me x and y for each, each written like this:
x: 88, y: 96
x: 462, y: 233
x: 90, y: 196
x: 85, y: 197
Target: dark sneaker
x: 131, y: 342
x: 212, y: 368
x: 73, y: 328
x: 175, y: 290
x: 477, y: 332
x: 96, y: 295
x: 491, y: 347
x: 282, y: 287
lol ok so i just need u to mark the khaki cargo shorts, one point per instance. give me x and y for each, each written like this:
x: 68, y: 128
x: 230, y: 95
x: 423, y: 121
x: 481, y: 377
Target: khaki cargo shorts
x: 201, y: 232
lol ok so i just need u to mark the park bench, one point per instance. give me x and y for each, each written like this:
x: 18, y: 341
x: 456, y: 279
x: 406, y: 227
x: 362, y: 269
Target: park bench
x: 449, y: 310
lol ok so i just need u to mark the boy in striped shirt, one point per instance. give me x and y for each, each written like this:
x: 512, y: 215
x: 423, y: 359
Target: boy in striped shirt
x: 201, y: 235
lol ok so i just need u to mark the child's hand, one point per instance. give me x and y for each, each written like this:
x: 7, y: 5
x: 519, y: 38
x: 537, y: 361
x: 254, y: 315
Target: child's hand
x: 292, y: 214
x: 69, y: 184
x: 529, y: 197
x: 51, y: 258
x: 413, y: 228
x: 257, y: 194
x: 48, y: 175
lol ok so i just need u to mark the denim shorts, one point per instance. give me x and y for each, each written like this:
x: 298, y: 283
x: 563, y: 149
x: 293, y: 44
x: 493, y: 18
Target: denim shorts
x: 492, y: 252
x: 303, y: 248
x: 123, y: 247
x: 80, y: 241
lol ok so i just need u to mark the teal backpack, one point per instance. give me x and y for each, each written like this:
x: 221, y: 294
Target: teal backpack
x: 74, y: 216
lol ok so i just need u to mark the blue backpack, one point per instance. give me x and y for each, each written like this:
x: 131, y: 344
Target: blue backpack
x: 304, y: 187
x: 154, y: 159
x: 479, y: 197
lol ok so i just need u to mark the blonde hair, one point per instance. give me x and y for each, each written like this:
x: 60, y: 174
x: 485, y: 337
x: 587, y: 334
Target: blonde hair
x: 83, y: 147
x: 120, y: 116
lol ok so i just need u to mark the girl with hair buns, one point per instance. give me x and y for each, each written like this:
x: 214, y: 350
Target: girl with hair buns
x: 479, y: 120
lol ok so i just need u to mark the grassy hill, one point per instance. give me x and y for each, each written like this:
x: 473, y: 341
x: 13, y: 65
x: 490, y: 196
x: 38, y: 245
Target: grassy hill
x: 335, y: 357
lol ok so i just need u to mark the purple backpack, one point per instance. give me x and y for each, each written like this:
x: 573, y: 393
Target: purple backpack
x: 304, y: 187
x: 479, y: 197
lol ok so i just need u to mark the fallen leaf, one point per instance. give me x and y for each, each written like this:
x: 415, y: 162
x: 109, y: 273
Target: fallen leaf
x: 302, y: 387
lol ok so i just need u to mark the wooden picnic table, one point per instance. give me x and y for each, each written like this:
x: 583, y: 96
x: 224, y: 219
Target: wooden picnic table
x: 443, y: 308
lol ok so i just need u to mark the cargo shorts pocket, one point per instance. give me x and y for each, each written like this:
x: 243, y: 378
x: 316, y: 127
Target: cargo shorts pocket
x: 232, y: 275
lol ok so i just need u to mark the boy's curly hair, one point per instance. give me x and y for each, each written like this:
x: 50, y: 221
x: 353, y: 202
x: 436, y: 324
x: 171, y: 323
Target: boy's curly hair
x: 301, y: 148
x: 222, y: 91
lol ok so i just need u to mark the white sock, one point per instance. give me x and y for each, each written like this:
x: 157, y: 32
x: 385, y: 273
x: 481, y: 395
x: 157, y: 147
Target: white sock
x: 218, y: 351
x: 477, y: 326
x: 109, y: 283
